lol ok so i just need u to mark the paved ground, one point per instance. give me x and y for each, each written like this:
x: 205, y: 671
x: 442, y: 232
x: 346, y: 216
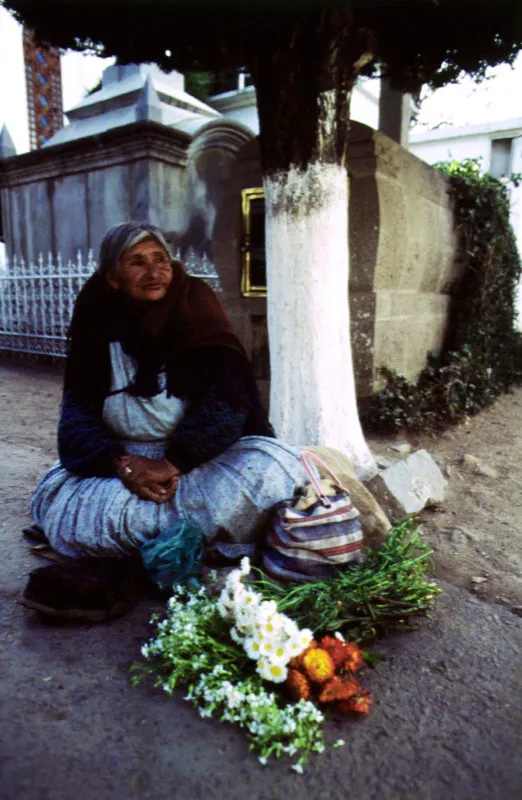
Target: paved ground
x: 447, y: 724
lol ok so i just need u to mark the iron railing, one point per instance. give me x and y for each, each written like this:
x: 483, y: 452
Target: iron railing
x: 37, y: 300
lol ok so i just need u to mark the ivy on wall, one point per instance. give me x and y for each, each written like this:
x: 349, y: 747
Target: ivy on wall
x: 482, y: 352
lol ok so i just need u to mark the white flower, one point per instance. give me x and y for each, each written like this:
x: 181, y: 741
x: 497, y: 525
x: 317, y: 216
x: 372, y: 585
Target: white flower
x: 235, y: 636
x: 267, y: 627
x: 267, y: 608
x: 267, y: 646
x: 338, y: 635
x: 246, y: 618
x: 290, y: 628
x: 298, y: 643
x: 270, y: 671
x: 280, y: 654
x: 251, y: 599
x: 232, y: 582
x: 298, y: 768
x: 252, y: 647
x: 245, y: 566
x: 223, y: 608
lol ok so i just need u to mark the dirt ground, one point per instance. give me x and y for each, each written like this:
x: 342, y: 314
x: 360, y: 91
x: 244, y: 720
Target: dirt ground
x: 476, y: 534
x: 446, y: 721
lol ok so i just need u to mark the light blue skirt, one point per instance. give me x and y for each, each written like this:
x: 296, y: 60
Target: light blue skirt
x: 232, y: 492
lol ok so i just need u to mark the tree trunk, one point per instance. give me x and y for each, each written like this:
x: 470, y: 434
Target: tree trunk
x: 304, y: 80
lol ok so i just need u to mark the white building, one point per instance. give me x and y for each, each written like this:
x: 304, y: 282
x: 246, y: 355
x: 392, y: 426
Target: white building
x: 240, y: 105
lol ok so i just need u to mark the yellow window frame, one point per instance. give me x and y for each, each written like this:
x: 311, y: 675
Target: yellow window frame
x: 249, y: 289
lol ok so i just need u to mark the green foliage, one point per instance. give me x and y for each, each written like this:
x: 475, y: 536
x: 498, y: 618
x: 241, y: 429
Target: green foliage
x: 482, y: 353
x: 367, y: 599
x: 198, y: 83
x: 416, y: 41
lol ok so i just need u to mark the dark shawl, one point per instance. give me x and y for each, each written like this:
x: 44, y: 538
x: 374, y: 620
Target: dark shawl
x: 189, y: 334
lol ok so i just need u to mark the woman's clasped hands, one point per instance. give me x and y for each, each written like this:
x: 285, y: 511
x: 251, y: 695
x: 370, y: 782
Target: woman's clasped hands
x: 149, y: 478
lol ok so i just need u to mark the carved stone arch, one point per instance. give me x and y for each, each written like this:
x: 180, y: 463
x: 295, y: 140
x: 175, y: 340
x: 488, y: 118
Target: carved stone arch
x: 211, y: 161
x: 219, y: 133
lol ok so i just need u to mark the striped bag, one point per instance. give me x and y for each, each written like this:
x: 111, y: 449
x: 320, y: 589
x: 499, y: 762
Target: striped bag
x: 314, y: 534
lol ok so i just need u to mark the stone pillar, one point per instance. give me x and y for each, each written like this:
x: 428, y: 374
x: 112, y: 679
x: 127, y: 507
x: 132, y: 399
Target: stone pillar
x: 394, y: 113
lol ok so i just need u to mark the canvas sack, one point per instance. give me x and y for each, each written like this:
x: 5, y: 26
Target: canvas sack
x: 314, y: 534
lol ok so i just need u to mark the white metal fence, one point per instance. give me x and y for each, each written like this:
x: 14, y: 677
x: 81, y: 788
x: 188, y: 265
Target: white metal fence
x: 36, y: 300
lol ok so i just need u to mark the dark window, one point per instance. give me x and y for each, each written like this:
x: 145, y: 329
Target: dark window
x: 44, y: 121
x: 43, y: 101
x: 40, y: 56
x: 42, y: 79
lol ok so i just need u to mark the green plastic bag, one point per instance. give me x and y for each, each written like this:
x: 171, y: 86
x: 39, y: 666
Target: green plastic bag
x: 175, y: 555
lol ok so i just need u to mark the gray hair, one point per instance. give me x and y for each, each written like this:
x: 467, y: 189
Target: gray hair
x: 120, y: 237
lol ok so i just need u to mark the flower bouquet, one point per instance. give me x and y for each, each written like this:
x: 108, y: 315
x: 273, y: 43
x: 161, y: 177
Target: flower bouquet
x: 246, y: 661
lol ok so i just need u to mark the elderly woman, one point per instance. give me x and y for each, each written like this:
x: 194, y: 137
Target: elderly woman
x: 161, y: 420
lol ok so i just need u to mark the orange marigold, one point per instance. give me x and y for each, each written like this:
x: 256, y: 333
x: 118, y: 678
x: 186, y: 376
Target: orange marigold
x: 360, y: 703
x: 354, y: 658
x: 318, y: 665
x: 335, y: 649
x: 297, y: 661
x: 339, y: 689
x: 298, y: 685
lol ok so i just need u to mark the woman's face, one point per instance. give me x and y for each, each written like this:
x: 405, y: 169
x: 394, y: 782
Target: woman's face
x: 144, y: 273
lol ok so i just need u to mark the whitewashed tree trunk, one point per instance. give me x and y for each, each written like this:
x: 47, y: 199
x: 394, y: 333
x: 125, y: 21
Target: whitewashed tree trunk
x: 312, y: 397
x: 304, y: 76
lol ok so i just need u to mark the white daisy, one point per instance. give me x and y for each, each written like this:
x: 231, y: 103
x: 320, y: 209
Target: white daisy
x: 270, y: 671
x: 252, y: 647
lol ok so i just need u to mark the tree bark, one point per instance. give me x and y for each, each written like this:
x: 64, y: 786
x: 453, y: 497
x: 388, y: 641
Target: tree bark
x: 304, y: 76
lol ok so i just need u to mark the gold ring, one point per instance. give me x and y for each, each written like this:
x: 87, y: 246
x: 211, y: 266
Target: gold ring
x: 127, y: 471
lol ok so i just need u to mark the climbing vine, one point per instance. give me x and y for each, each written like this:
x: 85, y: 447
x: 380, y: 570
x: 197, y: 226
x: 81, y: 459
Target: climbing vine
x: 482, y: 353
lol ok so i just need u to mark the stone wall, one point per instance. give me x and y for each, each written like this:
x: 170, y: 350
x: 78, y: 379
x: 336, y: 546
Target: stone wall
x: 402, y: 244
x: 402, y: 255
x: 63, y: 198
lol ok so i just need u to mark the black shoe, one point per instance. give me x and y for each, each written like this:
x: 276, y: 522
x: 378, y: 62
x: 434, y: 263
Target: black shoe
x: 86, y: 589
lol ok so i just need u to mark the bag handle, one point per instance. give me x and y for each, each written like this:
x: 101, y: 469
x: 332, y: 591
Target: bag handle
x: 309, y: 455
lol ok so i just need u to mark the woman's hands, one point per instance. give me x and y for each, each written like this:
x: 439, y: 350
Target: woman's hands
x: 148, y: 478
